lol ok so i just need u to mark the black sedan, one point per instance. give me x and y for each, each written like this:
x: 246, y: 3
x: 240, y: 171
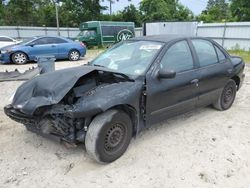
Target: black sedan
x: 128, y: 88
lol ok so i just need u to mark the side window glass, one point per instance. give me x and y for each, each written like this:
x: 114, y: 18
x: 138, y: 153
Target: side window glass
x: 5, y: 39
x: 221, y: 55
x: 178, y: 58
x: 205, y: 52
x: 54, y: 40
x: 41, y: 41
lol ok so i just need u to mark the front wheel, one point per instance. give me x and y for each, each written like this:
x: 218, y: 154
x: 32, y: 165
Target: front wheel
x: 108, y: 136
x: 74, y: 55
x: 19, y: 58
x: 227, y: 96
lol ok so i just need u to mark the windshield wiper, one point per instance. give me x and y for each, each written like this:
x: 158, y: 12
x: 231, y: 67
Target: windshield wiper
x: 98, y: 65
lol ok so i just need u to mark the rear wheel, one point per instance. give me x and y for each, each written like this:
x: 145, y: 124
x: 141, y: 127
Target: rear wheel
x: 227, y: 96
x: 74, y: 55
x: 108, y: 136
x: 19, y: 58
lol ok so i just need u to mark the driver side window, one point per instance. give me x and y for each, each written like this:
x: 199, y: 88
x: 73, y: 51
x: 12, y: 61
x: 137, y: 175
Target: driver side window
x: 41, y: 41
x: 178, y: 58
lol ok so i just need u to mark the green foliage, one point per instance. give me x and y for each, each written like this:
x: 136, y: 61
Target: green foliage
x: 164, y: 10
x: 241, y: 10
x: 131, y: 14
x: 216, y: 11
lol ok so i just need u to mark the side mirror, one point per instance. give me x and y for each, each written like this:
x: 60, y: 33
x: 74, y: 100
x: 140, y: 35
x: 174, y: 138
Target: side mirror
x: 31, y: 44
x: 165, y: 74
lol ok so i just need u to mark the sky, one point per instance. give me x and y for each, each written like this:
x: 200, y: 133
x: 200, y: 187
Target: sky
x: 195, y: 5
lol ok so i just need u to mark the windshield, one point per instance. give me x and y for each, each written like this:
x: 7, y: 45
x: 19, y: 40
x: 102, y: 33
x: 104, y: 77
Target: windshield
x: 130, y: 57
x: 88, y: 33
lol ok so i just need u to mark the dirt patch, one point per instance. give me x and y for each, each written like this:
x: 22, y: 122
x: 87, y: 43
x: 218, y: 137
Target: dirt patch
x: 203, y: 148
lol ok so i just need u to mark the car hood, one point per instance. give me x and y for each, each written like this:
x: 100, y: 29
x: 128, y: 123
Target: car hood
x: 51, y: 88
x: 12, y: 47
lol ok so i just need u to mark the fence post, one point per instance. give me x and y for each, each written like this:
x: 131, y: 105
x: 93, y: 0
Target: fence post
x: 224, y: 34
x: 18, y: 32
x: 68, y: 32
x: 45, y: 29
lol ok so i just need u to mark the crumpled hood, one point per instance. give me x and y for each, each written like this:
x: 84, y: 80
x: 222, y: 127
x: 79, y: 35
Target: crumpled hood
x: 50, y: 88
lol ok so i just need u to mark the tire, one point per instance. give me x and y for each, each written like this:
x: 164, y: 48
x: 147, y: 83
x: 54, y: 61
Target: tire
x: 108, y: 136
x: 227, y: 96
x: 19, y: 58
x: 74, y: 55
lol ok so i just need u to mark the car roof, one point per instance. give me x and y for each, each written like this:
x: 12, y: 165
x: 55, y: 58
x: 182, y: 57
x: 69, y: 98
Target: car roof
x: 163, y: 38
x: 42, y: 36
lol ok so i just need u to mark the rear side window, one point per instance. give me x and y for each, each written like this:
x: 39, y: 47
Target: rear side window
x: 178, y: 58
x: 54, y: 40
x: 5, y: 39
x: 205, y: 52
x: 221, y: 55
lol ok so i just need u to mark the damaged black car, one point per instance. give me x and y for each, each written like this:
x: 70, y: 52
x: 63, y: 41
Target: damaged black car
x: 128, y: 88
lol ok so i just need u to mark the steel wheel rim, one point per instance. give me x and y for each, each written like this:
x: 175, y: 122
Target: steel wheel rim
x: 114, y: 138
x: 20, y: 58
x: 74, y: 55
x: 228, y: 96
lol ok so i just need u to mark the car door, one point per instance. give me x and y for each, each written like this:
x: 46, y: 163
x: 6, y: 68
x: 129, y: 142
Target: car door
x: 61, y: 46
x: 214, y: 71
x: 42, y: 46
x: 169, y: 97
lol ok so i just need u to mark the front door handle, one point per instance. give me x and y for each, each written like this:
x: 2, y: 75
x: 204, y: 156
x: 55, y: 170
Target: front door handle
x: 195, y: 81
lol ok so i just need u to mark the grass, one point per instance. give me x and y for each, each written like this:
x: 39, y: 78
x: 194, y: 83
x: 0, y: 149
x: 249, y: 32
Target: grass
x: 244, y: 54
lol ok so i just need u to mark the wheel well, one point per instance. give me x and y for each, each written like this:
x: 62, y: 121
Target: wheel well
x: 131, y: 111
x: 74, y: 50
x: 237, y: 81
x: 21, y: 52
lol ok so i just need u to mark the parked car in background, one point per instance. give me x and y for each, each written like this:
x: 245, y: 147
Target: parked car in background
x: 29, y: 50
x: 130, y: 87
x: 6, y: 41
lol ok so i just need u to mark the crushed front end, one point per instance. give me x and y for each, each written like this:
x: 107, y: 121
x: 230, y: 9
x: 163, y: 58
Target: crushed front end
x: 51, y: 124
x: 62, y: 107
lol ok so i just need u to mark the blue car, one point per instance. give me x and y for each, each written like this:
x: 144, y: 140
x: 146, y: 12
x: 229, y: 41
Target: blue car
x: 29, y: 50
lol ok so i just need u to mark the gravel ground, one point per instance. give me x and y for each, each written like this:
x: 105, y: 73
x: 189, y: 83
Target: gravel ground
x: 203, y: 148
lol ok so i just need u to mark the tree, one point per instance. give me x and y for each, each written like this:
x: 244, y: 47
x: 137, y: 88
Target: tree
x: 73, y: 12
x: 216, y: 11
x: 131, y: 14
x: 241, y: 9
x: 163, y: 10
x: 1, y: 12
x: 183, y: 13
x: 20, y: 12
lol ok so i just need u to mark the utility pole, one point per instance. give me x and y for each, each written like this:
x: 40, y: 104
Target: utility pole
x: 57, y: 18
x: 110, y: 5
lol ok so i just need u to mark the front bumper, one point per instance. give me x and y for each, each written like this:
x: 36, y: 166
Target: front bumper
x: 41, y: 126
x: 4, y: 58
x: 20, y: 117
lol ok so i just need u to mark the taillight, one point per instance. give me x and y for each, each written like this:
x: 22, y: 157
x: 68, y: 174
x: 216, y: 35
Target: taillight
x: 82, y: 44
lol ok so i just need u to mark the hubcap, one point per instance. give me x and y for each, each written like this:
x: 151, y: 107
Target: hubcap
x: 114, y: 137
x: 20, y: 58
x: 74, y: 55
